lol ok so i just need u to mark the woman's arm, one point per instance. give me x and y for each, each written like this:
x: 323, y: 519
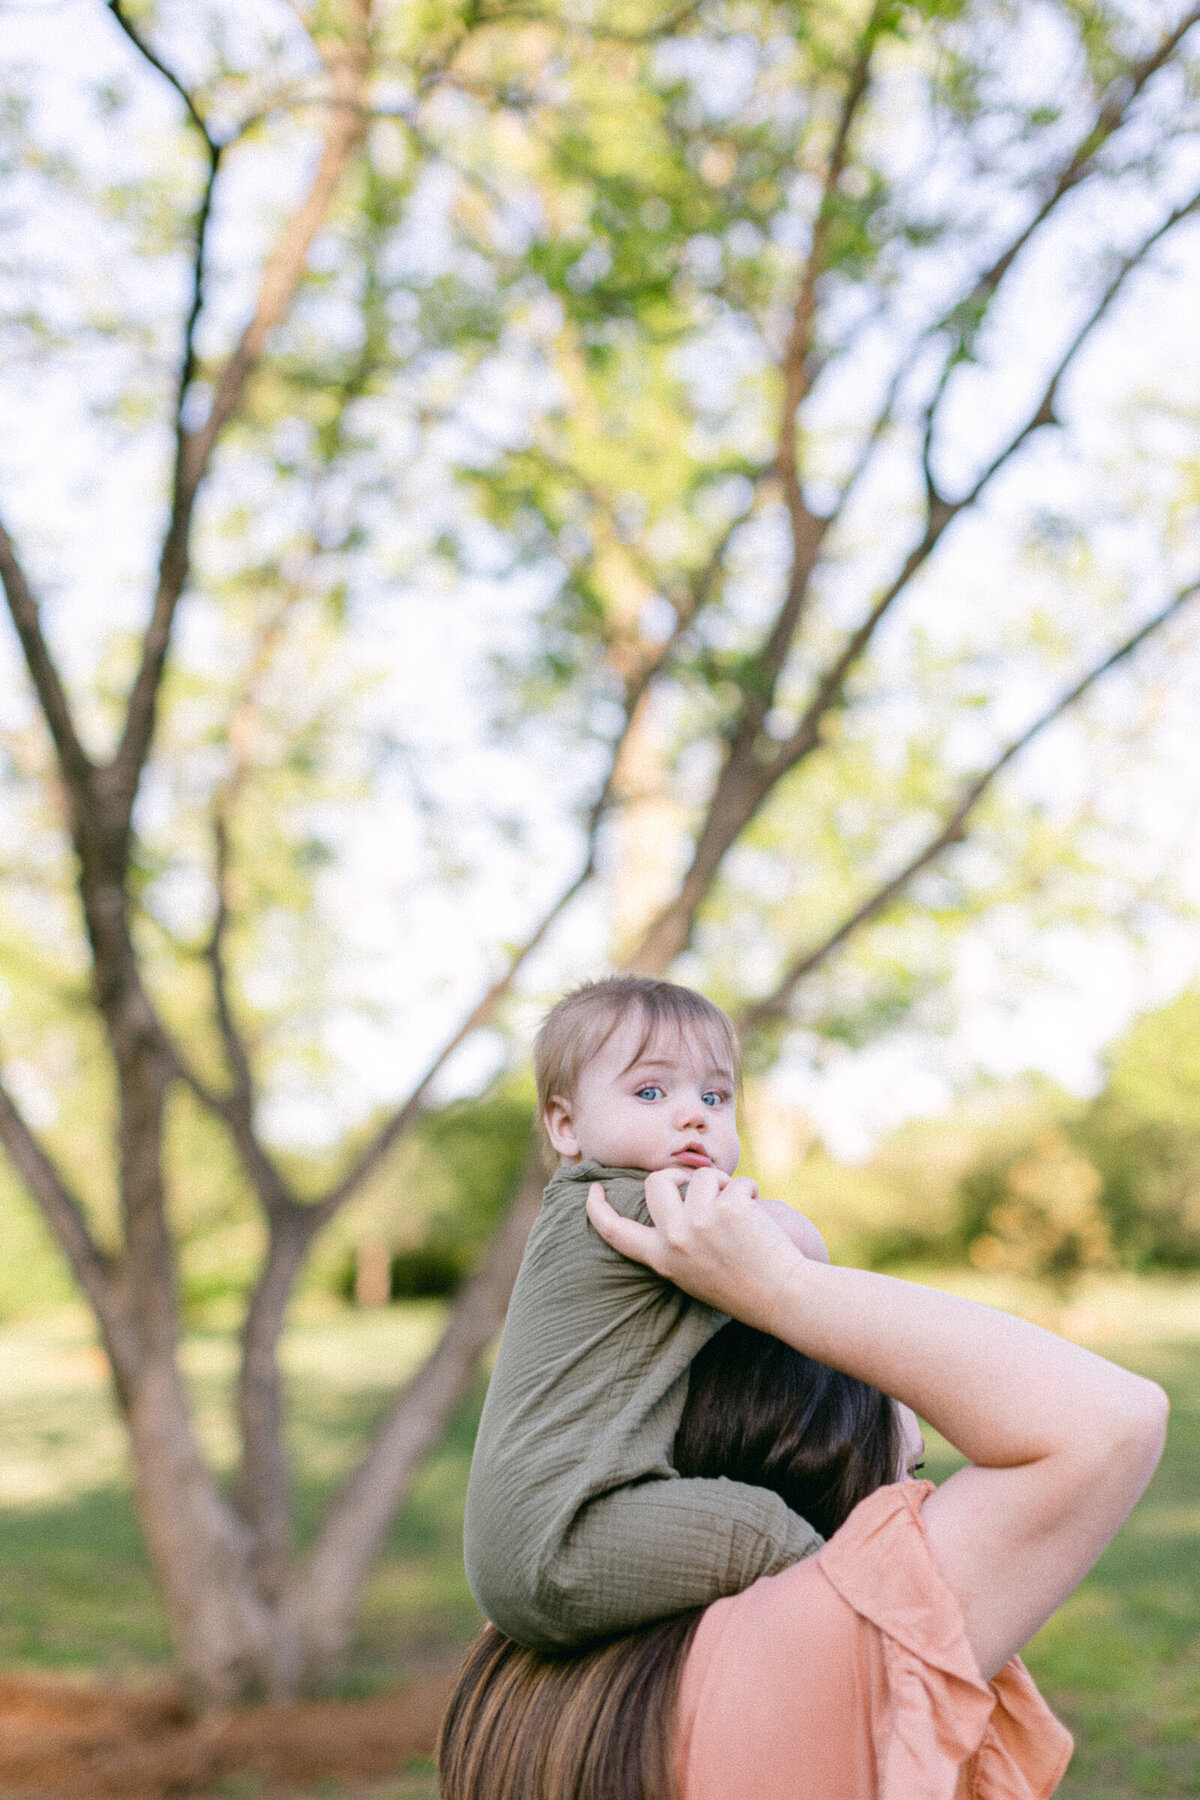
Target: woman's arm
x: 794, y: 1225
x: 1061, y: 1442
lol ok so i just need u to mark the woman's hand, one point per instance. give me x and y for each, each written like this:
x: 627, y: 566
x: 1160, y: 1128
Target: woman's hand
x: 1062, y: 1442
x: 710, y: 1236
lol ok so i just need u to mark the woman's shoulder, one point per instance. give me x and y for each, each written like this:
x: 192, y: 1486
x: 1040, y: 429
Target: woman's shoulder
x: 878, y: 1566
x: 856, y: 1661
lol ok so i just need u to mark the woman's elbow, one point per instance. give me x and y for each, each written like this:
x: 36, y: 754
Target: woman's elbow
x: 1138, y: 1429
x: 1155, y: 1411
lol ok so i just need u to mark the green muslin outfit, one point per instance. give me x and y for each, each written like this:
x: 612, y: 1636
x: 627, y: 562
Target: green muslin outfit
x: 577, y: 1526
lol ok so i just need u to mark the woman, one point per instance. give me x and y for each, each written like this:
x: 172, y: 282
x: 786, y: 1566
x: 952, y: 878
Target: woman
x: 881, y: 1669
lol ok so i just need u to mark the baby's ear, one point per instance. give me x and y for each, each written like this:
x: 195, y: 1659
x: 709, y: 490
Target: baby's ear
x: 559, y: 1128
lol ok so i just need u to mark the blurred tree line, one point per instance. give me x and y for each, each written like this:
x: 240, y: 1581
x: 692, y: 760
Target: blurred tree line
x: 1023, y: 1178
x: 1111, y: 1183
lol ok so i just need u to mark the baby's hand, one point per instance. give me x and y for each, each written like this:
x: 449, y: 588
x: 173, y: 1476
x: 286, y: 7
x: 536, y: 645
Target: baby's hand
x: 802, y: 1231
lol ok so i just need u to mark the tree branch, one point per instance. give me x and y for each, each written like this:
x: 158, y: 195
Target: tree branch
x: 1045, y: 413
x: 874, y: 436
x: 237, y: 1107
x: 964, y: 319
x: 74, y: 764
x: 117, y: 9
x: 322, y: 1601
x: 953, y: 829
x: 99, y: 839
x: 794, y: 365
x: 1111, y: 114
x: 62, y: 1211
x: 941, y: 512
x: 748, y: 777
x: 1109, y: 117
x: 399, y: 1120
x: 241, y: 1097
x: 173, y: 557
x: 807, y: 529
x: 346, y: 62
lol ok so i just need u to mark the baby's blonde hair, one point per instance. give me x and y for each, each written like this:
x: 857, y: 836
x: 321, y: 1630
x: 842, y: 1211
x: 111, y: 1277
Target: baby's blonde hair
x: 577, y: 1029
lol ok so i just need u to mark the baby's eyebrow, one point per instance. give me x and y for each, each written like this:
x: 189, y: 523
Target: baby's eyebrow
x: 651, y: 1066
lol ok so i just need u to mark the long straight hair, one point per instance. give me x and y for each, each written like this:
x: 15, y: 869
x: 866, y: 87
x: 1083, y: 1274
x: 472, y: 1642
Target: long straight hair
x: 599, y: 1724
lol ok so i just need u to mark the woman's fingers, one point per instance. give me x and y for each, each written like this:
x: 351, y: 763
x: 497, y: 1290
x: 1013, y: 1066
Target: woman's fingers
x: 711, y: 1239
x: 666, y: 1205
x: 664, y: 1187
x: 638, y: 1242
x: 665, y: 1194
x: 668, y: 1191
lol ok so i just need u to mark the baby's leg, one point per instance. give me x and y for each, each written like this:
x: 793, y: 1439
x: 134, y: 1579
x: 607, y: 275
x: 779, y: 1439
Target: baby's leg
x: 661, y: 1547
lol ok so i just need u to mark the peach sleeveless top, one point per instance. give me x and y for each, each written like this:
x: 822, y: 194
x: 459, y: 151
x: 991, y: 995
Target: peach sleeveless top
x: 849, y: 1677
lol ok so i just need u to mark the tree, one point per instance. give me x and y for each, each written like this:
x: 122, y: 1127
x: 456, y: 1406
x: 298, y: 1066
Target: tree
x: 740, y: 268
x: 1142, y: 1132
x: 1046, y: 1219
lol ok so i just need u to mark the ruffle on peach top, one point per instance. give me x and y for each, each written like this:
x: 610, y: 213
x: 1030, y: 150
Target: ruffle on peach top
x: 849, y: 1677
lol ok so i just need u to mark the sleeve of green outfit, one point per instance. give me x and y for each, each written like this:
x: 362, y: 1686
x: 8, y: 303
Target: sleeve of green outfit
x: 576, y: 1525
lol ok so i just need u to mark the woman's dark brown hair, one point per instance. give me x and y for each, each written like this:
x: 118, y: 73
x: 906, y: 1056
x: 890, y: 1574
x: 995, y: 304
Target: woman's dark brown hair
x: 593, y: 1726
x: 761, y: 1412
x: 599, y: 1725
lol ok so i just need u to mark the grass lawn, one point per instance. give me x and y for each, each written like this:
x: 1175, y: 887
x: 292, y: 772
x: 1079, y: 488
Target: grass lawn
x: 1121, y: 1662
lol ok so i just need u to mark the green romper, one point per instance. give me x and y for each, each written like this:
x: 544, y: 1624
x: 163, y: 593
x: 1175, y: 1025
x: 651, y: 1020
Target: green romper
x: 577, y: 1526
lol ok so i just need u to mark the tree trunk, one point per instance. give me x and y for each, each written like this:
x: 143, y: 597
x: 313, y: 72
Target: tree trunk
x: 199, y: 1547
x: 319, y: 1612
x: 263, y: 1497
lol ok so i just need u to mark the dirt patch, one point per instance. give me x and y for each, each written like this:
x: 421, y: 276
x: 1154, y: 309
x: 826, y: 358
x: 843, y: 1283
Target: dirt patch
x: 63, y: 1742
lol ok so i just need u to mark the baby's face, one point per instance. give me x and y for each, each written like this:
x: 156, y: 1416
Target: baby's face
x: 669, y: 1104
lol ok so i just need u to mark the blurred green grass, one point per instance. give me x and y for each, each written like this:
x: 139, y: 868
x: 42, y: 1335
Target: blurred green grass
x: 1120, y: 1662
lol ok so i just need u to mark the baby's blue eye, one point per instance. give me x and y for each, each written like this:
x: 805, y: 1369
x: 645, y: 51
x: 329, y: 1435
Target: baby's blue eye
x: 711, y: 1099
x: 648, y: 1093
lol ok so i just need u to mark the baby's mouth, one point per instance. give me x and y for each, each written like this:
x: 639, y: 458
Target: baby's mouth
x: 693, y: 1157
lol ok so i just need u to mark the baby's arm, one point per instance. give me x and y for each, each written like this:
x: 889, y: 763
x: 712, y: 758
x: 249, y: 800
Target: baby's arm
x: 802, y: 1231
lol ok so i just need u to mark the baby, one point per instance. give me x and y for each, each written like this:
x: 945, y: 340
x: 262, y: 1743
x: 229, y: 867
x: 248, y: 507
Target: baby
x: 577, y: 1526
